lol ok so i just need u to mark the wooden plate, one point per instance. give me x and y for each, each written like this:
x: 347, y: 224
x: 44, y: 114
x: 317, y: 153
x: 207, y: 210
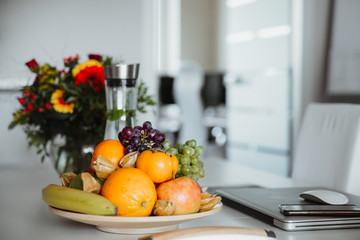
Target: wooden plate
x: 134, y: 225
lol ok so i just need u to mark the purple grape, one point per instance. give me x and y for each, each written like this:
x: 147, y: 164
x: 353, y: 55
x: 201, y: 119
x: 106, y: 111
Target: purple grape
x: 142, y: 148
x: 138, y: 128
x: 159, y: 138
x: 137, y: 133
x: 146, y: 140
x: 120, y: 136
x: 157, y: 145
x: 147, y: 125
x: 152, y: 133
x: 135, y: 141
x: 128, y: 132
x: 129, y: 149
x: 124, y: 142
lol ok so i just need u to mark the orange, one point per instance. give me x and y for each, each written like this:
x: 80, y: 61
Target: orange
x: 110, y: 149
x: 159, y: 166
x: 132, y: 191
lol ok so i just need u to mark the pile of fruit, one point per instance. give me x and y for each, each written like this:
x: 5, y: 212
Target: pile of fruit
x: 141, y: 174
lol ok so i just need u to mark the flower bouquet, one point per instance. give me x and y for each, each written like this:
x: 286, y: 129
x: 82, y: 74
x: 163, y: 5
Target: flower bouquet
x: 68, y: 103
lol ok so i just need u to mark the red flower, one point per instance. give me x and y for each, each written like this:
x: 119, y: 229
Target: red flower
x: 40, y: 109
x: 29, y: 107
x: 71, y: 58
x: 32, y: 64
x: 26, y: 93
x: 21, y: 100
x: 47, y: 105
x: 33, y: 96
x: 91, y: 71
x: 95, y: 57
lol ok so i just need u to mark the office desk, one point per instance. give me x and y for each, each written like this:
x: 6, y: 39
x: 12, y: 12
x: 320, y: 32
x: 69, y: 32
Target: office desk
x: 23, y: 214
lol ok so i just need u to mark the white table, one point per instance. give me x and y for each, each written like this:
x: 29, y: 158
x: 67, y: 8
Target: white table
x: 23, y: 214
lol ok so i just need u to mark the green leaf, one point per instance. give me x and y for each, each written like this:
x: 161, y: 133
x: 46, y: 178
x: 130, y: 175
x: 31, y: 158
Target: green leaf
x: 12, y: 125
x: 70, y: 99
x: 115, y: 114
x: 143, y: 98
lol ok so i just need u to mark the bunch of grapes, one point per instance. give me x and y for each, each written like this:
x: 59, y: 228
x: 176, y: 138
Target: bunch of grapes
x: 141, y: 138
x: 188, y: 156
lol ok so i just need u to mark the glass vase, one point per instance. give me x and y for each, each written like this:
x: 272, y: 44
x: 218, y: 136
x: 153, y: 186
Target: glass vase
x: 75, y: 157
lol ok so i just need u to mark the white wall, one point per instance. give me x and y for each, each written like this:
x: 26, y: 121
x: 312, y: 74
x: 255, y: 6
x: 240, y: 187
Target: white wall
x: 52, y: 30
x: 311, y: 22
x: 199, y: 31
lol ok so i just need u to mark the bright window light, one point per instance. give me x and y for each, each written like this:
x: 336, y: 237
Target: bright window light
x: 274, y: 31
x: 238, y: 3
x: 248, y: 36
x: 240, y: 37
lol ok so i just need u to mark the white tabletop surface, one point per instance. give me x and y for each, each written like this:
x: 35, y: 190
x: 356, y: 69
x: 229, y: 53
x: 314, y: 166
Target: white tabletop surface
x: 25, y: 216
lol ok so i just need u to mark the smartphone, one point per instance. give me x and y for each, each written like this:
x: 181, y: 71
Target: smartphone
x: 319, y: 210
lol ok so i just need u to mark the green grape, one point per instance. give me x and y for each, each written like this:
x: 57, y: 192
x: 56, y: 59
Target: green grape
x: 181, y: 147
x: 195, y: 160
x: 173, y: 151
x: 199, y: 150
x: 195, y: 176
x: 179, y: 168
x: 186, y: 169
x: 188, y: 157
x: 185, y: 159
x: 166, y: 144
x: 195, y: 169
x: 201, y: 163
x: 202, y: 173
x: 179, y: 173
x: 191, y: 143
x: 188, y: 151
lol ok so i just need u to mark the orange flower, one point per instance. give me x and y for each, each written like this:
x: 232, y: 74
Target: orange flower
x: 90, y: 71
x: 59, y: 104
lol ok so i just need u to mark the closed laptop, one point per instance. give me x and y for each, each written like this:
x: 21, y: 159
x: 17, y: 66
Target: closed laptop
x: 263, y: 204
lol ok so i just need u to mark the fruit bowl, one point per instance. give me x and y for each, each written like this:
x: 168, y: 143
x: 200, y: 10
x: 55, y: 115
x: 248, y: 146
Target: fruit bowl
x: 134, y: 225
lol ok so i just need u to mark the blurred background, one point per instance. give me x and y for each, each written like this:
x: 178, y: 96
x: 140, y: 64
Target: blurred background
x: 235, y: 75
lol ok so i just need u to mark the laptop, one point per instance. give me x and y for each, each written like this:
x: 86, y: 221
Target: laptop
x: 263, y: 204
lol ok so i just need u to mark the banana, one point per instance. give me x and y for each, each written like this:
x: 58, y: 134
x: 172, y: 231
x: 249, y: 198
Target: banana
x: 77, y: 200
